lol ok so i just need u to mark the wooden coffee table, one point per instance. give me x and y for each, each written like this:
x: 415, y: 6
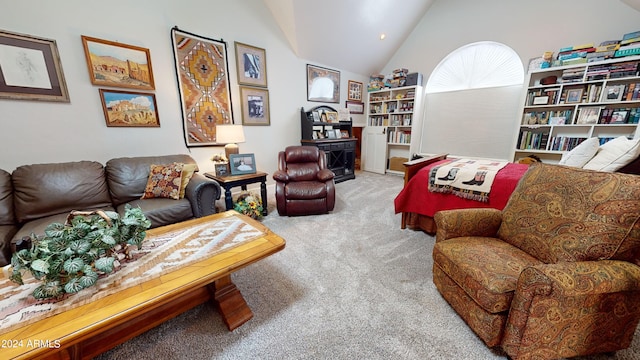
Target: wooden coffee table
x: 88, y: 330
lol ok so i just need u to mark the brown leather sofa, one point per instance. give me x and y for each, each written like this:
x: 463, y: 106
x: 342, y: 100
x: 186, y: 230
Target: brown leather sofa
x: 304, y: 185
x: 34, y: 196
x: 556, y: 273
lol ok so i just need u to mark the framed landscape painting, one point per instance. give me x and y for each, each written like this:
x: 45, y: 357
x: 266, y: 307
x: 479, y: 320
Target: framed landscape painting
x: 129, y: 109
x: 30, y: 69
x: 118, y: 65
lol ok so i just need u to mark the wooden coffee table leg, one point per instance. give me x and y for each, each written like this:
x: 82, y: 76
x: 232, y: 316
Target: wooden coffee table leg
x: 231, y: 304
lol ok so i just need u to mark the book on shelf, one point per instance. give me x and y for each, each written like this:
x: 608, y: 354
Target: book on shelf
x: 631, y: 35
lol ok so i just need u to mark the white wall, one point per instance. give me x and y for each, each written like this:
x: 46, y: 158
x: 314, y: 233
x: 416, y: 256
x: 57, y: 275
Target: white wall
x: 41, y: 132
x: 529, y: 27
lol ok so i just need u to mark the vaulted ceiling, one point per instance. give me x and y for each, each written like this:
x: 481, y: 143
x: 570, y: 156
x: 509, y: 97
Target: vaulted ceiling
x: 326, y: 32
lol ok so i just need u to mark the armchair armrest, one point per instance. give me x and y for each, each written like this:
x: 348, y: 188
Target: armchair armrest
x: 594, y: 302
x: 467, y: 222
x: 202, y: 194
x: 325, y: 175
x: 281, y: 176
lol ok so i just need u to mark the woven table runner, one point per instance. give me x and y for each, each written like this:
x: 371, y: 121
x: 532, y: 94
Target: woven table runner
x: 158, y: 255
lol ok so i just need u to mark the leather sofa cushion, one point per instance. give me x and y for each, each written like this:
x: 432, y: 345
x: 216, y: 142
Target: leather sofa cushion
x: 6, y: 234
x: 127, y: 176
x: 42, y: 190
x: 162, y: 211
x: 305, y: 190
x: 6, y: 199
x: 559, y: 213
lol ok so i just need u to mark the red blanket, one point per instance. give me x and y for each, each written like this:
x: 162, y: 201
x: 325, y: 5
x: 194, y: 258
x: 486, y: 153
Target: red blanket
x: 416, y: 198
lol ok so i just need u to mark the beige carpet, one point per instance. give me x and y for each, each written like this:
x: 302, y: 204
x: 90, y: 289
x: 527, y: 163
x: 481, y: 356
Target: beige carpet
x: 349, y: 285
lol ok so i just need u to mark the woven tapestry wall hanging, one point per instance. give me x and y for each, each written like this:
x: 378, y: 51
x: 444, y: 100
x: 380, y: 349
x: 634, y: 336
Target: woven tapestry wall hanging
x: 203, y: 81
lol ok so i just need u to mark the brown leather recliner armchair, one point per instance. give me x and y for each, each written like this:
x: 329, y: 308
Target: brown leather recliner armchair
x: 304, y: 185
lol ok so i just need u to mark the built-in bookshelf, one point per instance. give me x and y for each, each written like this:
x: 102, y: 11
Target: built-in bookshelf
x: 392, y: 132
x: 565, y: 105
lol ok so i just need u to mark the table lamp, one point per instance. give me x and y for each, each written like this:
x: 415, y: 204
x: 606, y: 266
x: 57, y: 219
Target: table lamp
x: 229, y: 135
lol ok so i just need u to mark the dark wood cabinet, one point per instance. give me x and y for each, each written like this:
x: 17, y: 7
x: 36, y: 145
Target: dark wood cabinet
x: 340, y: 152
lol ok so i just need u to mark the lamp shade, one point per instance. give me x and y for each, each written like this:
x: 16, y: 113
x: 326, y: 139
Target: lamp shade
x: 229, y: 134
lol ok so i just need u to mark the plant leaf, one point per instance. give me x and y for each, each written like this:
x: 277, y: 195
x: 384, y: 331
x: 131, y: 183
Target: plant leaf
x: 105, y: 264
x: 80, y: 246
x: 74, y: 265
x: 40, y: 266
x: 108, y: 239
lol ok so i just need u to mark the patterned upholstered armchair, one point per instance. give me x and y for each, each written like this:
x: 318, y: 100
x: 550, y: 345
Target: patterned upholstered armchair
x: 556, y: 273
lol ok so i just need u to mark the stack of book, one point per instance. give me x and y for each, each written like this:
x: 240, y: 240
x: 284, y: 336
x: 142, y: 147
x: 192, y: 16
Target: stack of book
x: 629, y: 45
x: 606, y: 50
x: 376, y: 82
x: 575, y: 54
x: 572, y: 75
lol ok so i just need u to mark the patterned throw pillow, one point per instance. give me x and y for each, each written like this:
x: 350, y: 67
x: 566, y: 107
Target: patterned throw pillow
x: 164, y: 181
x: 187, y: 173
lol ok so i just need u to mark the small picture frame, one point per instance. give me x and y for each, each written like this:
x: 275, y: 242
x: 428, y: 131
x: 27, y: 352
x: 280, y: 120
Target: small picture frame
x: 338, y: 133
x: 255, y: 106
x: 612, y: 93
x: 540, y: 100
x: 332, y: 116
x: 619, y: 117
x: 222, y: 169
x: 119, y: 65
x: 242, y: 164
x: 574, y: 96
x: 331, y: 134
x: 355, y: 107
x: 355, y: 91
x: 31, y: 69
x: 345, y: 134
x: 251, y: 63
x: 129, y: 108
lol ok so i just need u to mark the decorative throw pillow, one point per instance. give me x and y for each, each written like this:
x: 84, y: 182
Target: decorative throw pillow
x: 164, y: 181
x: 614, y: 154
x: 581, y: 154
x: 187, y: 173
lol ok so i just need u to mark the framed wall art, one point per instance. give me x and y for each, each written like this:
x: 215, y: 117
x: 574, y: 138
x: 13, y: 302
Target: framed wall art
x: 355, y: 107
x: 242, y: 164
x: 203, y: 83
x: 129, y: 109
x: 355, y: 91
x: 323, y: 85
x: 255, y: 106
x: 30, y: 69
x: 251, y: 63
x: 119, y: 65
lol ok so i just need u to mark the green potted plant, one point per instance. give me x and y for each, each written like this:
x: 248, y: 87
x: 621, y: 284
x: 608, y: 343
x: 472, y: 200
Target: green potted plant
x: 71, y: 256
x: 249, y: 204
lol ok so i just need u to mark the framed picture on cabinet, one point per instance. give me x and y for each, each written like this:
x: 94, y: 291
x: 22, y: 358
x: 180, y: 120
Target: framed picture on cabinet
x: 355, y: 91
x: 332, y: 116
x: 255, y: 106
x: 119, y: 65
x: 30, y: 69
x: 613, y: 93
x: 323, y: 85
x: 251, y: 64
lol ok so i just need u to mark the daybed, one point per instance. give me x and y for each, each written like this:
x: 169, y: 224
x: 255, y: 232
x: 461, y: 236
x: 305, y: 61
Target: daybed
x: 418, y: 205
x: 34, y: 196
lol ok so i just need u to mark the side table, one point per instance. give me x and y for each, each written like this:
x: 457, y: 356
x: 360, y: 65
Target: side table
x: 231, y: 181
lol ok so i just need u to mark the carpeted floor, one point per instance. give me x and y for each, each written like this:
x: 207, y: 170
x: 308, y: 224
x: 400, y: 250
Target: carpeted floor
x: 348, y: 285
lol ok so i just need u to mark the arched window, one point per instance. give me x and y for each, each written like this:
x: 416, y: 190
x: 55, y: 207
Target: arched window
x: 477, y: 65
x: 472, y: 100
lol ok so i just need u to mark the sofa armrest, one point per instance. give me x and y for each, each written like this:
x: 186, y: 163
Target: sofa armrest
x: 595, y: 301
x: 325, y: 175
x: 467, y: 222
x: 281, y: 176
x: 202, y: 193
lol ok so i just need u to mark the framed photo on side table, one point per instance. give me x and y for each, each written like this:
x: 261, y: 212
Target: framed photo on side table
x: 31, y: 69
x: 222, y: 169
x: 251, y: 64
x: 242, y: 164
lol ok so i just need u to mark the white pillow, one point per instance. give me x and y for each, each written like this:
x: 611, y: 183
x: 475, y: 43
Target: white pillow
x: 615, y: 154
x: 581, y: 154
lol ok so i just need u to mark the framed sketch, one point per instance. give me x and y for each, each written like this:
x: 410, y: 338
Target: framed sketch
x: 332, y: 116
x: 323, y: 85
x: 242, y: 164
x: 129, y: 109
x: 613, y: 93
x: 355, y: 91
x: 574, y: 96
x: 222, y: 169
x: 118, y: 65
x: 255, y: 106
x: 251, y: 64
x: 30, y: 69
x: 355, y: 107
x: 203, y: 84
